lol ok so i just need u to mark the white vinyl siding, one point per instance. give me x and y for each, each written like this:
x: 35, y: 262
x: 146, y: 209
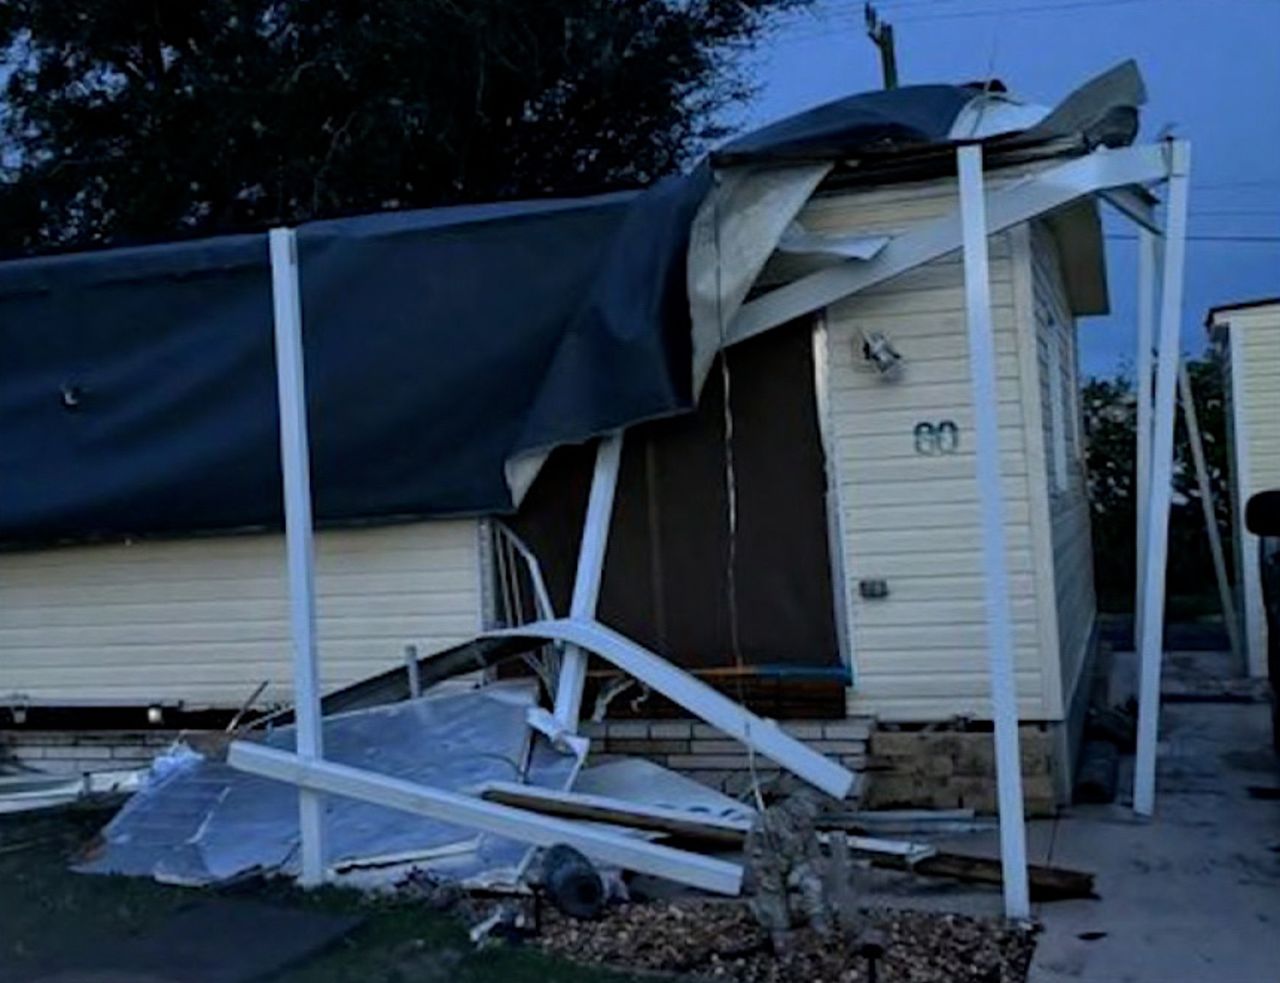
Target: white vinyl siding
x: 1254, y: 350
x: 912, y: 519
x: 203, y: 621
x: 1071, y: 535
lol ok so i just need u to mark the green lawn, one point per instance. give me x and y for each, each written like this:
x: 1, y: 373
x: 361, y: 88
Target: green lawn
x: 44, y: 908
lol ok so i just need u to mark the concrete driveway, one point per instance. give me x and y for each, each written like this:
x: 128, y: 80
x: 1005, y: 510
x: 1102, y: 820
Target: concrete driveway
x: 1192, y: 895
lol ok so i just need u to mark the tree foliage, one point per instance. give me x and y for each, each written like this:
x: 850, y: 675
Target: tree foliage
x: 134, y: 120
x: 1110, y: 407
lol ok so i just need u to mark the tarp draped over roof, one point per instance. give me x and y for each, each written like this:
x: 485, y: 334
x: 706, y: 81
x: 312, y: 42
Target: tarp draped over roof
x: 446, y: 350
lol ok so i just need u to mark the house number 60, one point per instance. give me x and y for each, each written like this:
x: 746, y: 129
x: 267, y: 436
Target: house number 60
x: 937, y: 438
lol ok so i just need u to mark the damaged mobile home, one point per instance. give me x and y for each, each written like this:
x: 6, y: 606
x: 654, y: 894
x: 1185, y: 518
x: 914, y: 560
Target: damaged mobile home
x: 797, y: 430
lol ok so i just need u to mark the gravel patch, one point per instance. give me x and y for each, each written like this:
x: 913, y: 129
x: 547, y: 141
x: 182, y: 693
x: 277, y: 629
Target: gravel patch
x: 721, y: 941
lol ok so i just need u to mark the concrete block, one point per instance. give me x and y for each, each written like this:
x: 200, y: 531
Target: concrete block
x: 627, y: 728
x: 718, y: 762
x: 43, y: 737
x: 70, y: 752
x: 705, y: 732
x: 900, y: 744
x: 62, y: 766
x: 645, y: 747
x: 805, y: 730
x: 717, y: 747
x: 679, y: 730
x: 829, y: 747
x: 847, y: 730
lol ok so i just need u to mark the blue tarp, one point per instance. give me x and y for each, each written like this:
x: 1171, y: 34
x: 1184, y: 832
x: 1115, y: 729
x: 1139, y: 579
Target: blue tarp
x: 137, y: 386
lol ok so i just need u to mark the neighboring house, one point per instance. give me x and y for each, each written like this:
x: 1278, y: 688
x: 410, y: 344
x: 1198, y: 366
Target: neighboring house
x: 1248, y: 334
x: 857, y: 564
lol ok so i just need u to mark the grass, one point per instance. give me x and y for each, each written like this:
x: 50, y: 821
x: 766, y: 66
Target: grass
x: 45, y: 908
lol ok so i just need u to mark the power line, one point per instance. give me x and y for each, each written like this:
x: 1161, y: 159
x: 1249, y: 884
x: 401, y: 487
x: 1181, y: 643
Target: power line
x: 836, y: 18
x: 1204, y: 237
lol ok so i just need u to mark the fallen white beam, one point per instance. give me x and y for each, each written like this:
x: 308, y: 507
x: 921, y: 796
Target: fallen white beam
x: 1151, y: 644
x: 601, y: 844
x: 590, y: 573
x: 763, y: 736
x: 1018, y: 202
x: 982, y: 370
x: 295, y: 462
x: 1205, y: 486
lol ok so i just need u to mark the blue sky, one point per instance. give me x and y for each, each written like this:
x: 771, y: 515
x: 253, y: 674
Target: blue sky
x: 1212, y: 69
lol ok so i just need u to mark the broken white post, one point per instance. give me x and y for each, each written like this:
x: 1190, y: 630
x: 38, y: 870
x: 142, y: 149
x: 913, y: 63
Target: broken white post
x: 295, y: 463
x: 1225, y: 597
x: 1147, y: 253
x: 982, y: 369
x: 691, y: 693
x: 586, y: 584
x: 1151, y: 644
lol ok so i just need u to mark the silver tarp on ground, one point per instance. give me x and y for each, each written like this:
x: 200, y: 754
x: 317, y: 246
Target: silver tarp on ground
x: 199, y: 821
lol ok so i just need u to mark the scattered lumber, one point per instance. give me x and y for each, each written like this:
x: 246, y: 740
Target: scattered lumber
x: 687, y: 826
x: 1047, y: 883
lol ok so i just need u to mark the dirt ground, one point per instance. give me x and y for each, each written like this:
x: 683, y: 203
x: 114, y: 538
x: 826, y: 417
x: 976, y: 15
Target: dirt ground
x: 51, y: 917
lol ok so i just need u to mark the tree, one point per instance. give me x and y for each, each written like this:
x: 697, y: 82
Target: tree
x: 1110, y: 407
x: 138, y: 120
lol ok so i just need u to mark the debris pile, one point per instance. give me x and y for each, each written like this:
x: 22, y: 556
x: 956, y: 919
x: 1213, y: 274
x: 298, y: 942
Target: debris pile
x: 722, y: 940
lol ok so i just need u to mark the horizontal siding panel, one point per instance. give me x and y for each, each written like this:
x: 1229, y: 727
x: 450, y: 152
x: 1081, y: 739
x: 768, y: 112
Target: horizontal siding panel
x: 930, y: 372
x: 203, y: 621
x: 951, y: 563
x: 249, y: 610
x: 924, y: 467
x: 854, y: 425
x: 888, y: 449
x: 904, y: 611
x: 1068, y: 507
x: 954, y: 490
x: 934, y: 637
x: 937, y: 301
x: 942, y: 687
x: 886, y: 542
x: 937, y: 515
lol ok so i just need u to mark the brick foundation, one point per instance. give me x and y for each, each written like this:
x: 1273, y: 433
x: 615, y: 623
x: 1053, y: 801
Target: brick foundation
x: 955, y: 769
x: 704, y: 753
x: 75, y: 753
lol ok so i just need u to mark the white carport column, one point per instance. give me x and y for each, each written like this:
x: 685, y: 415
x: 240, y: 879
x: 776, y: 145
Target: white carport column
x: 295, y: 463
x: 1148, y: 253
x: 586, y: 585
x: 1151, y: 613
x: 982, y: 370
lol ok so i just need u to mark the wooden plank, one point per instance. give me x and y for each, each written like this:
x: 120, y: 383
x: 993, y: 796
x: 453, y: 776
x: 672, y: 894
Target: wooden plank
x: 602, y: 809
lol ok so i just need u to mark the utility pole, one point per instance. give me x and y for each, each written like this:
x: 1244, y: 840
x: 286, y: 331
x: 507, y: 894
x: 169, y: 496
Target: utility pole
x: 881, y: 35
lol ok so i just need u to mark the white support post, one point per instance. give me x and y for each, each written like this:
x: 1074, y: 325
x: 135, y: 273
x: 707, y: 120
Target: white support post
x: 295, y: 462
x: 1151, y: 644
x: 1225, y: 598
x: 982, y: 368
x: 1147, y: 255
x: 586, y: 584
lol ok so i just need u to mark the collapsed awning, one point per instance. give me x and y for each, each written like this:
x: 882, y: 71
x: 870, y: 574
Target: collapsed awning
x: 447, y: 350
